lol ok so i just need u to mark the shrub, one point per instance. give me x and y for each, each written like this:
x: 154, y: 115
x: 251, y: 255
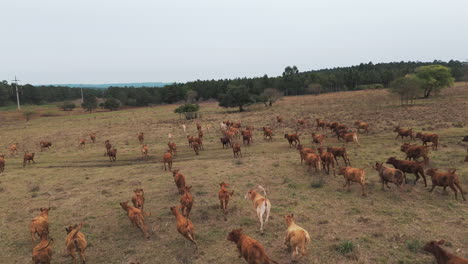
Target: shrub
x: 414, y: 245
x: 189, y: 110
x: 344, y: 247
x: 112, y: 104
x: 67, y: 106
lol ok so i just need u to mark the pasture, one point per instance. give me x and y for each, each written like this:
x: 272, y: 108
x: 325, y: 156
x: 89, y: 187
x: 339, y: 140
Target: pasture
x: 82, y: 185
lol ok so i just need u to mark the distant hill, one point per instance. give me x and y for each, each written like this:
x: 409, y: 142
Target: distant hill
x: 107, y: 85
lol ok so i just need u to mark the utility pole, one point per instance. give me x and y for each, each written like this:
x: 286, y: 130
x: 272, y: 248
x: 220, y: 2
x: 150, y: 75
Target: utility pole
x: 17, y: 93
x: 82, y: 100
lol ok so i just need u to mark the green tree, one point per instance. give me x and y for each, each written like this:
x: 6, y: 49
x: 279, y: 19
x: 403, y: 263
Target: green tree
x: 408, y: 88
x: 189, y: 110
x: 435, y: 78
x: 270, y: 95
x: 90, y: 103
x: 67, y: 106
x: 290, y: 76
x: 4, y: 100
x: 112, y: 104
x: 236, y: 96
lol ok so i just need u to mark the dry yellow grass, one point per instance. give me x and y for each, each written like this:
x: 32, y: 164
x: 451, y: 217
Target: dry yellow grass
x: 82, y: 185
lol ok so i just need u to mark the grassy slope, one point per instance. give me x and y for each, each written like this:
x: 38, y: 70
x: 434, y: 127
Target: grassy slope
x: 85, y: 186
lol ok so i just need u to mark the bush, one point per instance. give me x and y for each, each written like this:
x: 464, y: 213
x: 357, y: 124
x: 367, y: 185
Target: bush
x: 187, y: 108
x: 344, y: 247
x: 112, y: 104
x: 414, y: 245
x: 67, y: 106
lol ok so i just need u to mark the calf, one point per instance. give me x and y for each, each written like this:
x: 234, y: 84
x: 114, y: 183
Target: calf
x: 267, y: 134
x: 246, y: 137
x: 92, y: 136
x: 236, y: 150
x: 40, y: 224
x: 167, y: 159
x: 141, y: 137
x: 76, y: 241
x: 196, y: 147
x: 401, y: 132
x: 112, y: 154
x: 387, y: 175
x: 13, y: 148
x: 353, y: 175
x: 138, y: 198
x: 320, y: 124
x: 441, y: 255
x: 226, y: 141
x: 426, y: 137
x: 445, y: 179
x: 184, y: 225
x: 312, y: 159
x: 292, y: 138
x: 179, y: 180
x: 199, y: 141
x: 2, y: 163
x: 144, y: 150
x: 304, y: 151
x: 82, y: 143
x: 224, y: 195
x: 296, y: 238
x: 108, y: 146
x: 249, y: 249
x: 136, y: 217
x: 199, y: 128
x: 362, y: 125
x: 339, y: 152
x: 261, y: 205
x: 42, y: 253
x: 172, y: 147
x: 350, y: 137
x: 186, y: 201
x: 28, y: 157
x: 408, y: 166
x: 279, y: 119
x: 328, y: 159
x: 45, y: 144
x: 318, y: 138
x: 414, y: 152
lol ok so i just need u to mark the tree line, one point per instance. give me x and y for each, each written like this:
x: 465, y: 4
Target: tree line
x: 259, y: 89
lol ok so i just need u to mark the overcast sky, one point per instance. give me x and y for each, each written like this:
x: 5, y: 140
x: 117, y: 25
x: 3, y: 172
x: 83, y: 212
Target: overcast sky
x: 110, y: 41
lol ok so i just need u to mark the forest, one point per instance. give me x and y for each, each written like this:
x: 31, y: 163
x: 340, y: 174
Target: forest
x: 291, y: 82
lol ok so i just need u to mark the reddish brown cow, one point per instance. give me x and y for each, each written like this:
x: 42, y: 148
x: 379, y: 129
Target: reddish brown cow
x: 387, y: 175
x: 313, y: 160
x: 328, y: 159
x: 112, y: 154
x: 446, y: 179
x: 28, y: 157
x: 45, y: 144
x: 226, y: 141
x: 2, y: 163
x: 40, y: 224
x: 141, y: 137
x: 292, y: 138
x: 320, y: 124
x: 144, y: 150
x: 186, y: 201
x: 13, y: 148
x: 179, y: 180
x: 409, y: 166
x: 138, y: 198
x: 236, y: 150
x: 172, y: 147
x: 362, y: 125
x: 304, y: 151
x: 136, y: 217
x: 353, y: 175
x: 427, y: 137
x: 441, y: 255
x: 167, y: 159
x: 92, y: 136
x: 184, y: 225
x: 42, y: 252
x: 340, y: 152
x: 267, y: 134
x: 318, y: 138
x: 246, y: 137
x: 401, y: 132
x: 250, y: 249
x: 224, y: 195
x: 414, y: 152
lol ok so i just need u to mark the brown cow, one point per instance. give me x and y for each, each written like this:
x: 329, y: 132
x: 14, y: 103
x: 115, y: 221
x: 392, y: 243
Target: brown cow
x: 350, y: 137
x: 304, y: 151
x: 320, y: 124
x: 362, y: 125
x: 246, y: 137
x: 236, y: 150
x: 144, y: 150
x: 441, y: 255
x: 112, y: 154
x: 312, y: 159
x: 414, y: 152
x: 92, y: 136
x: 172, y: 147
x: 45, y: 144
x: 224, y: 195
x: 82, y: 143
x: 353, y: 175
x: 179, y: 180
x: 340, y: 152
x: 226, y: 141
x: 138, y: 198
x: 318, y: 138
x: 401, y: 132
x: 136, y: 217
x: 250, y: 249
x: 13, y: 148
x: 184, y: 225
x: 387, y: 175
x: 267, y: 134
x: 42, y: 252
x: 186, y: 201
x: 167, y: 158
x: 445, y: 179
x: 328, y: 159
x: 292, y: 138
x: 40, y: 224
x: 408, y: 166
x: 108, y: 147
x: 76, y: 241
x: 28, y: 157
x: 427, y: 137
x: 2, y: 163
x: 196, y: 147
x: 141, y: 137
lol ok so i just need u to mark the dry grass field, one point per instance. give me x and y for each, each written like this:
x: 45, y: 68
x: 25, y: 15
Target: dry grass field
x: 83, y: 185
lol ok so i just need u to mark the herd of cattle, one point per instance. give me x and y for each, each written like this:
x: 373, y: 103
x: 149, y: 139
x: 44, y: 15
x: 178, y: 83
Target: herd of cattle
x: 233, y: 137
